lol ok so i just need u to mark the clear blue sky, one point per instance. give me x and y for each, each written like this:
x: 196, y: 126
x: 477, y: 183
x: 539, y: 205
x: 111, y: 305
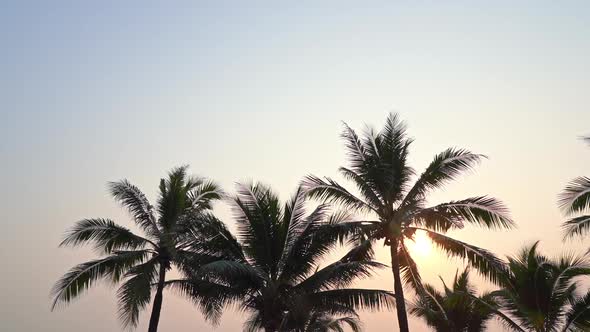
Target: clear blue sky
x: 93, y: 92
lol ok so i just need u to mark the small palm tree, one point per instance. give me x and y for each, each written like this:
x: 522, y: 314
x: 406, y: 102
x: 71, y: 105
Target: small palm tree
x: 456, y: 309
x: 327, y: 323
x: 140, y: 262
x: 271, y: 269
x: 546, y: 295
x: 575, y: 200
x: 378, y: 166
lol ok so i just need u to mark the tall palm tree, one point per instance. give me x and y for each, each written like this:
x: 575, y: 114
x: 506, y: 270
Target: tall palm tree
x: 139, y: 261
x: 575, y: 200
x: 271, y: 269
x: 378, y: 167
x: 546, y: 295
x: 456, y: 309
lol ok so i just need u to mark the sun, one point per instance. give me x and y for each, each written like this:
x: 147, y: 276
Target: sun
x: 421, y: 245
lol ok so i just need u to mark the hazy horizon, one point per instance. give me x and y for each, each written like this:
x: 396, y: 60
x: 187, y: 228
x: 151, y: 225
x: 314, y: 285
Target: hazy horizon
x: 100, y: 92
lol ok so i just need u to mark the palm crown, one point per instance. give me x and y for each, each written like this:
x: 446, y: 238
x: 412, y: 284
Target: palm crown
x: 271, y: 268
x: 378, y: 167
x: 140, y: 262
x: 457, y: 308
x: 542, y: 294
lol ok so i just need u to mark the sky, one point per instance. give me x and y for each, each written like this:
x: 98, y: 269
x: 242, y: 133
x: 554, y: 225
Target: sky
x: 92, y: 92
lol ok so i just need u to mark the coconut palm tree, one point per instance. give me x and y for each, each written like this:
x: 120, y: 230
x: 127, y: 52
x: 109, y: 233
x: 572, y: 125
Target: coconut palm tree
x: 139, y: 262
x: 378, y: 167
x: 546, y: 295
x: 575, y: 201
x: 271, y: 270
x: 326, y: 323
x: 456, y: 309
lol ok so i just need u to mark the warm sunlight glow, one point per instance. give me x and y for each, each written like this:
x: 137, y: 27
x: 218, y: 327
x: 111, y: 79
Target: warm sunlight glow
x: 421, y: 245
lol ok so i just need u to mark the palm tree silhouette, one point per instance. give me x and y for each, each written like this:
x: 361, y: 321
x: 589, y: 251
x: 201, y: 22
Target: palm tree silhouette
x: 543, y: 294
x: 140, y: 262
x: 327, y: 323
x: 271, y: 269
x: 458, y: 308
x: 378, y: 167
x: 575, y: 200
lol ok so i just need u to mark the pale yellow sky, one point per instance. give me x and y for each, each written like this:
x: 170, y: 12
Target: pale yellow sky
x: 99, y: 93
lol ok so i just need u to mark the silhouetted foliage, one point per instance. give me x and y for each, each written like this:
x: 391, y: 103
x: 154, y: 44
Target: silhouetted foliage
x: 575, y: 201
x: 139, y: 262
x: 378, y: 167
x: 543, y: 294
x: 271, y: 269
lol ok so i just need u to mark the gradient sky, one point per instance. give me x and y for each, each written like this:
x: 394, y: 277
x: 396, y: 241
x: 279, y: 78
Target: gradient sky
x: 94, y: 92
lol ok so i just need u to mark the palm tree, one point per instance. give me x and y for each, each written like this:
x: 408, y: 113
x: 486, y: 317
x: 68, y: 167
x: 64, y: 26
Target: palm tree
x: 140, y: 262
x: 546, y: 295
x: 271, y: 269
x: 326, y: 323
x: 456, y: 309
x: 378, y: 167
x: 575, y: 200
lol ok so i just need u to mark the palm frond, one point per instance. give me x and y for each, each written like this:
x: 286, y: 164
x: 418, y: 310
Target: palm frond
x: 326, y: 323
x: 232, y: 273
x: 253, y: 323
x: 138, y: 205
x: 316, y: 243
x: 482, y: 210
x: 445, y: 167
x: 355, y: 150
x: 577, y: 316
x: 367, y: 189
x: 174, y: 199
x: 575, y: 198
x: 259, y: 217
x: 495, y: 308
x: 357, y: 299
x: 576, y: 226
x: 330, y: 191
x: 204, y: 194
x: 209, y: 296
x: 482, y: 260
x: 83, y: 276
x: 297, y: 224
x: 206, y: 234
x: 105, y: 234
x: 339, y: 274
x: 135, y: 293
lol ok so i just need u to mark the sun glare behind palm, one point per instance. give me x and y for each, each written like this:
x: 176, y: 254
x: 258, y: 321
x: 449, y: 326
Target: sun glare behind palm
x: 421, y: 245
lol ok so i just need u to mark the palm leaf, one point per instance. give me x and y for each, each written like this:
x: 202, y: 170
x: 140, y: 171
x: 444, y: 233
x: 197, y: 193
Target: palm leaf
x: 135, y: 201
x: 576, y: 196
x: 445, y: 167
x: 83, y: 276
x: 211, y: 297
x: 366, y: 299
x: 576, y: 226
x: 135, y: 293
x: 367, y: 189
x: 577, y: 316
x: 106, y: 235
x: 203, y: 194
x: 329, y: 190
x: 482, y: 260
x: 482, y: 210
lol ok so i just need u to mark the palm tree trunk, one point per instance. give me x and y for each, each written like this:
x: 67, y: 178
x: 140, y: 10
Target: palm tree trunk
x: 398, y: 289
x: 155, y: 317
